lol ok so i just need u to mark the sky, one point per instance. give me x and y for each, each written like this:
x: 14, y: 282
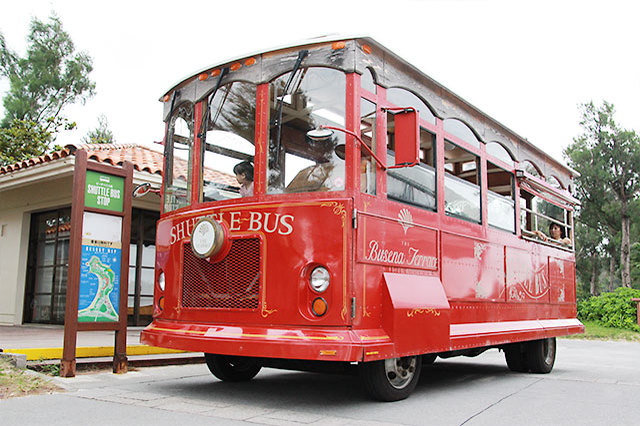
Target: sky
x: 527, y: 64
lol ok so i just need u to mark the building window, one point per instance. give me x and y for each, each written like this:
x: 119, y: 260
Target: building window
x: 142, y: 257
x: 47, y: 266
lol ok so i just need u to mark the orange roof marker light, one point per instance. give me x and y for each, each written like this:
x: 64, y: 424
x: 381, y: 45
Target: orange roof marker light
x: 338, y: 45
x: 166, y: 97
x: 203, y: 76
x: 366, y: 49
x: 215, y: 73
x: 249, y: 62
x: 236, y: 66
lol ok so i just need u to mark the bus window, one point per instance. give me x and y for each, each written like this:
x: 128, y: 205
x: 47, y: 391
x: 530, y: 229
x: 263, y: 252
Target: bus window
x: 553, y: 181
x: 299, y: 103
x: 538, y: 216
x: 404, y: 98
x: 368, y: 81
x: 498, y: 151
x: 177, y: 174
x: 229, y: 140
x: 368, y: 136
x: 461, y: 130
x: 412, y: 185
x: 531, y: 168
x: 500, y: 198
x: 461, y: 183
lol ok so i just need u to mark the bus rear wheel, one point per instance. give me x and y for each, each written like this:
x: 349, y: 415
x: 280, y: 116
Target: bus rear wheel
x: 232, y: 368
x: 390, y: 379
x: 536, y: 356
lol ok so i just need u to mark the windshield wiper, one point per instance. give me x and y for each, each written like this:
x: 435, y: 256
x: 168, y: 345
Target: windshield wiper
x: 277, y: 121
x: 205, y: 117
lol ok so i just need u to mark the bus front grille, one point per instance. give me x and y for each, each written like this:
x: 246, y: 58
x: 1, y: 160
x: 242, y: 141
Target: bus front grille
x: 231, y: 283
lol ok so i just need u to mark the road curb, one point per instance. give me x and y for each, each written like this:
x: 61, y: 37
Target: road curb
x: 36, y: 354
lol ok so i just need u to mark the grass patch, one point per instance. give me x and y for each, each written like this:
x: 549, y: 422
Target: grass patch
x: 595, y: 331
x: 15, y: 382
x: 48, y: 369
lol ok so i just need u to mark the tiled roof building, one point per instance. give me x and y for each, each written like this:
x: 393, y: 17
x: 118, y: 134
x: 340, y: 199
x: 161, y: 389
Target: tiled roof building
x: 35, y: 223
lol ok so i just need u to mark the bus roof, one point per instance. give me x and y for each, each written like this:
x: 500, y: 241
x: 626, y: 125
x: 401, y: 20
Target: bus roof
x: 392, y: 71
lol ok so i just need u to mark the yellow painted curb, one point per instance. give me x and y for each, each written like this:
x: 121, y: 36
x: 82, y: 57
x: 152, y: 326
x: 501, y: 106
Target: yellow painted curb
x: 34, y: 354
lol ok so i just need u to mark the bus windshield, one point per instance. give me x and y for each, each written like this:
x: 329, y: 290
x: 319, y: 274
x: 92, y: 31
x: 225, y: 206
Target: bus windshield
x: 297, y: 163
x: 230, y: 140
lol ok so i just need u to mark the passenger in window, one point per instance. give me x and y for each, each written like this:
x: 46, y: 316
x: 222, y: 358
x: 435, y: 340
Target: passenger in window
x: 557, y: 235
x: 326, y: 175
x: 244, y: 176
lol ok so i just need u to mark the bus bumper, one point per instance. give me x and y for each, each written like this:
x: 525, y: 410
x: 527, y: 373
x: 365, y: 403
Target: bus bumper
x: 327, y: 344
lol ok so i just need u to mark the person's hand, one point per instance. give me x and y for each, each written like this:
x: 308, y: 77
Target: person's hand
x: 541, y: 235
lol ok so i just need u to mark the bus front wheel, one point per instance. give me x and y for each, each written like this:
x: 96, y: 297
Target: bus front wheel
x: 390, y: 379
x: 232, y: 368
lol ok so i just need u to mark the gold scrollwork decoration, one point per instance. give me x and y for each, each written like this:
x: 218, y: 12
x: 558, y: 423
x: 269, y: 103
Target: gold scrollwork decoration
x: 425, y: 311
x: 338, y: 209
x: 266, y: 312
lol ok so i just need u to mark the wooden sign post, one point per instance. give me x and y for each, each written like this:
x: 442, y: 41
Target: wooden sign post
x: 98, y: 274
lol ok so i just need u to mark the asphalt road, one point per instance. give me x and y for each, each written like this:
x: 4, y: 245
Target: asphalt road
x: 593, y: 382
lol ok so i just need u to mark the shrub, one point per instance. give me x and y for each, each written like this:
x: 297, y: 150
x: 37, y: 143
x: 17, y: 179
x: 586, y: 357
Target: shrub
x: 613, y: 309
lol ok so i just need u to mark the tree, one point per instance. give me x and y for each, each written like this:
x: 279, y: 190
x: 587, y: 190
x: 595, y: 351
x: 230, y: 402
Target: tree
x: 588, y: 257
x: 26, y: 139
x: 608, y: 160
x: 50, y: 76
x: 101, y: 134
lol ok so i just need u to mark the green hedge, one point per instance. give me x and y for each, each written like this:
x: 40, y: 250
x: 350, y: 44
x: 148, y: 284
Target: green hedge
x: 613, y: 309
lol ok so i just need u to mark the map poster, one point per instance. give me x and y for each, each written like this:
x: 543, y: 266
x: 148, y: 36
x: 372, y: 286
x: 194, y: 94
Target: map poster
x: 99, y: 290
x: 104, y: 191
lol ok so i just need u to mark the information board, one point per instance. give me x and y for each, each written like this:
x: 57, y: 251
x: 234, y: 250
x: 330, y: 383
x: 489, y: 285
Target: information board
x: 99, y: 288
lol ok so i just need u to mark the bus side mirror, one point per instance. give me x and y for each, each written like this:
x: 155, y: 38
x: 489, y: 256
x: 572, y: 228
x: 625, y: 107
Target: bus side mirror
x: 143, y: 189
x: 407, y: 134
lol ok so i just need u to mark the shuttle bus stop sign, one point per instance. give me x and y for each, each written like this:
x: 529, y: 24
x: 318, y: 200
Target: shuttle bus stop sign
x: 98, y: 257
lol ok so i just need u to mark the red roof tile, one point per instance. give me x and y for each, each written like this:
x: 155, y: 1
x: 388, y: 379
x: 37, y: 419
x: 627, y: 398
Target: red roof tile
x: 143, y: 159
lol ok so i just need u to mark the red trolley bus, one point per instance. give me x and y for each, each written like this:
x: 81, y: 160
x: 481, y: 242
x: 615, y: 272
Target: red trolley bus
x: 377, y: 221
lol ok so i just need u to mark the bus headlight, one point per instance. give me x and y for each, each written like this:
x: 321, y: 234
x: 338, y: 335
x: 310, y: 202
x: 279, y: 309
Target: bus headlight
x: 161, y: 281
x: 319, y: 279
x: 207, y: 238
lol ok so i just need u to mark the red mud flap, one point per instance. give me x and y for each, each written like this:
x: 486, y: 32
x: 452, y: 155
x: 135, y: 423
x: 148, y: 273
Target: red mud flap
x: 416, y: 314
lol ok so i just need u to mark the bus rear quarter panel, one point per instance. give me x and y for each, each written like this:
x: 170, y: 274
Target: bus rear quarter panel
x: 483, y: 287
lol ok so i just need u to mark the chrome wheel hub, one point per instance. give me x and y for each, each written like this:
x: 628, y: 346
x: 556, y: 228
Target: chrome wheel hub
x: 400, y: 371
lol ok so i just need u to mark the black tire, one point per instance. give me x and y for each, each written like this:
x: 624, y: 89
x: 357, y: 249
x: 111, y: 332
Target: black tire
x: 232, y: 368
x: 541, y: 355
x: 515, y: 356
x: 390, y: 379
x: 536, y: 356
